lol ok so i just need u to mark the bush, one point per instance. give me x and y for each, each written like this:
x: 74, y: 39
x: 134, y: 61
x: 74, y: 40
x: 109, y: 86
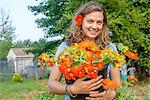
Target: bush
x: 17, y: 78
x: 128, y: 21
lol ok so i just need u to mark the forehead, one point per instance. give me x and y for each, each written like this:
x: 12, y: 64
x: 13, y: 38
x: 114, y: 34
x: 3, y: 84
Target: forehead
x: 96, y: 15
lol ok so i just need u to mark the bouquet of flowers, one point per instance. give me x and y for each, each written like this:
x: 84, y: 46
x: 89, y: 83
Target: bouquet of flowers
x: 80, y: 60
x: 85, y: 58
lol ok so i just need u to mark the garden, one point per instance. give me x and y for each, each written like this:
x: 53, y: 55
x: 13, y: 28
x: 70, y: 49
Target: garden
x: 128, y: 21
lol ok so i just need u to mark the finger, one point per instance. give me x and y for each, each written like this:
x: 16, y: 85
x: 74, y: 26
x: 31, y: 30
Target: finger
x: 104, y: 87
x: 111, y: 93
x: 94, y: 80
x: 91, y: 92
x: 83, y: 78
x: 101, y: 94
x: 107, y: 91
x: 96, y: 83
x: 96, y: 87
x: 98, y: 98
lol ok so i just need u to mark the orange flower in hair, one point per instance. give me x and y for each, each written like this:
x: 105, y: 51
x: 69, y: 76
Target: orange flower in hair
x: 109, y: 84
x: 79, y: 19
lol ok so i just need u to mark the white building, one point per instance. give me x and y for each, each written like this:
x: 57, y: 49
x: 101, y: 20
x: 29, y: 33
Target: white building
x: 19, y: 58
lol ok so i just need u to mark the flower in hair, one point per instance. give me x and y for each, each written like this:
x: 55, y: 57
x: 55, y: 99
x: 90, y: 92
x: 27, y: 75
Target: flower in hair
x: 79, y: 19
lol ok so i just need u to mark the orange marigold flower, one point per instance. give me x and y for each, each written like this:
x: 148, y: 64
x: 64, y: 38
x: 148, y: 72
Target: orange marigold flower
x: 132, y: 78
x: 68, y: 59
x: 68, y: 73
x: 109, y: 84
x: 41, y: 63
x: 92, y: 73
x: 39, y: 58
x: 132, y: 55
x: 78, y: 71
x: 50, y: 62
x: 79, y: 19
x: 98, y: 54
x: 100, y: 65
x: 62, y: 68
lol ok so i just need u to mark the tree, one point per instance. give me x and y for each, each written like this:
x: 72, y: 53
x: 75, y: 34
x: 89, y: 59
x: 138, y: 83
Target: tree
x: 52, y: 9
x: 22, y: 44
x: 6, y: 34
x: 38, y: 47
x: 6, y: 28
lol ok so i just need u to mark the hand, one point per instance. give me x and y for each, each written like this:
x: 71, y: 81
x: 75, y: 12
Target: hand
x: 80, y: 86
x: 109, y: 95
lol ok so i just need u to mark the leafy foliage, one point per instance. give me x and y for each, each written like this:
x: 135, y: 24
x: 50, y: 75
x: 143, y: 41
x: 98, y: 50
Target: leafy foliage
x: 22, y: 44
x: 37, y: 48
x: 129, y: 25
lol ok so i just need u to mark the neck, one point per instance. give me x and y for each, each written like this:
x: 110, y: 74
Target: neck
x: 90, y: 39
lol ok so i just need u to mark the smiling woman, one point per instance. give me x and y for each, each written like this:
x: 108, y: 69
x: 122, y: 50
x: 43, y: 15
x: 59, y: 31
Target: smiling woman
x: 89, y: 24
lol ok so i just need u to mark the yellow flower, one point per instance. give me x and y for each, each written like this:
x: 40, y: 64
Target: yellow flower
x: 125, y: 49
x: 44, y: 56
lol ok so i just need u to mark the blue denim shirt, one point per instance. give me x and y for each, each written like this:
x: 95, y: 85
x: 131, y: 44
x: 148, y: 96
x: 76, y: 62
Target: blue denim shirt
x: 123, y: 70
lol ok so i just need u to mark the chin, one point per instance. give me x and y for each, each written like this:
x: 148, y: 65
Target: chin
x: 93, y: 37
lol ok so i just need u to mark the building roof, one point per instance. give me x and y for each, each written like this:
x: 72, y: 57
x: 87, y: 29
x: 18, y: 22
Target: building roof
x: 21, y: 51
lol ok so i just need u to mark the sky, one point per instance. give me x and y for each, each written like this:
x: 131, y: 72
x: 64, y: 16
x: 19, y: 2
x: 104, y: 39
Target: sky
x: 23, y: 19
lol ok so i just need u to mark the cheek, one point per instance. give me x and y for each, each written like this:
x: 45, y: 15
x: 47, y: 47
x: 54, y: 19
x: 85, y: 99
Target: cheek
x: 100, y: 27
x: 85, y: 26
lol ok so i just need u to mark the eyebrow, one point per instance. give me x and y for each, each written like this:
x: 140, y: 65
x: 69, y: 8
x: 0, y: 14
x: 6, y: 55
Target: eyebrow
x: 92, y: 19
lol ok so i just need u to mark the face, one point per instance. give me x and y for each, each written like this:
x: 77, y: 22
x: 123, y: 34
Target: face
x: 92, y: 24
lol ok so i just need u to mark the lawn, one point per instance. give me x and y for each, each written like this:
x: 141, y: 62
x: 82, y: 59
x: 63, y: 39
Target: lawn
x: 31, y: 89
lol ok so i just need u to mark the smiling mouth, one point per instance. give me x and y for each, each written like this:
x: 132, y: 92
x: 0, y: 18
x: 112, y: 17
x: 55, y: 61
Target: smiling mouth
x: 93, y: 33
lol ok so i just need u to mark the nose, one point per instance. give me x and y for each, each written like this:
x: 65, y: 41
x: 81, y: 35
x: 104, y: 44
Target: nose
x: 94, y: 25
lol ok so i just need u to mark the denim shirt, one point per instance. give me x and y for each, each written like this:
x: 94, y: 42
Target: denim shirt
x: 123, y: 70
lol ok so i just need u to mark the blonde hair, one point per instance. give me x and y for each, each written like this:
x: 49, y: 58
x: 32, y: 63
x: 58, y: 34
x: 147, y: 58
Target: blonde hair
x: 76, y: 35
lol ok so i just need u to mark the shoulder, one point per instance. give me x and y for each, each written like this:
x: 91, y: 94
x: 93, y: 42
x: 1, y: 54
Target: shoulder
x: 61, y: 47
x: 112, y: 46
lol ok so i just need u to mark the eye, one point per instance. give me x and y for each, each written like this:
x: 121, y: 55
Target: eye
x: 100, y: 22
x: 90, y: 21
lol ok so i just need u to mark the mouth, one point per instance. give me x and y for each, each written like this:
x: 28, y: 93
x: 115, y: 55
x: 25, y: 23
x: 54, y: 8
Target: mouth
x: 93, y: 32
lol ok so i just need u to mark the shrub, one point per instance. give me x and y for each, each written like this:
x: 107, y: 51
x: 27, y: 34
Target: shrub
x: 17, y: 77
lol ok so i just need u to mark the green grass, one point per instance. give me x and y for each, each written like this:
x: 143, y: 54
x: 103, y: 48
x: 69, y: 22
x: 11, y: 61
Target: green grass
x: 29, y: 89
x: 15, y: 90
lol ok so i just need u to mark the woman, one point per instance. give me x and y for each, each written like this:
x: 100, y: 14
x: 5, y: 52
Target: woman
x: 92, y: 25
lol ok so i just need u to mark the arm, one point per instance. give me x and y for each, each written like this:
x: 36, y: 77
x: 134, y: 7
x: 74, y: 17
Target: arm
x: 115, y: 75
x: 54, y: 86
